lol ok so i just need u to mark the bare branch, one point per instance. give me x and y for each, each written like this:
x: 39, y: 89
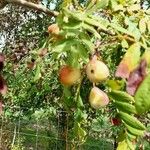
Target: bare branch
x: 31, y: 5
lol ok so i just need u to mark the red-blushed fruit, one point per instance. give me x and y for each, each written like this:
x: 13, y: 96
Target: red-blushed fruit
x: 42, y: 52
x: 53, y: 29
x: 98, y: 98
x: 69, y: 76
x: 31, y: 64
x: 115, y: 121
x: 97, y: 71
x: 3, y: 86
x: 2, y: 59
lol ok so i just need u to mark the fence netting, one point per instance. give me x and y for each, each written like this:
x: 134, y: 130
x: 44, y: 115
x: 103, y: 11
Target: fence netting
x: 45, y: 134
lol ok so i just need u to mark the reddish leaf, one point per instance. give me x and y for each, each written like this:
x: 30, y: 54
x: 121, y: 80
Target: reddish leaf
x: 123, y: 70
x: 129, y: 61
x: 115, y: 121
x: 136, y: 77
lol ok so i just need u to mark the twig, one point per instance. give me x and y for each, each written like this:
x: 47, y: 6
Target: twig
x: 14, y: 137
x: 31, y: 5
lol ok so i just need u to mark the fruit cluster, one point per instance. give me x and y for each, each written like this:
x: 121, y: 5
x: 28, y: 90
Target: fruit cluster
x: 96, y: 72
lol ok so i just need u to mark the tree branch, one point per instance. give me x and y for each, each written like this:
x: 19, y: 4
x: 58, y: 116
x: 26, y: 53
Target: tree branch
x: 31, y: 5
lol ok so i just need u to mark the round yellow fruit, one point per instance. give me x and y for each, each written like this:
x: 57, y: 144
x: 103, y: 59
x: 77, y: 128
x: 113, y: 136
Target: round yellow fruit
x: 69, y: 76
x: 98, y: 98
x: 97, y: 71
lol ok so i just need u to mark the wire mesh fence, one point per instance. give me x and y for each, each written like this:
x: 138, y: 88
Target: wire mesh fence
x: 45, y: 134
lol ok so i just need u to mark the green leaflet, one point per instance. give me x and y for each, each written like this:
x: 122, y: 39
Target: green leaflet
x: 142, y: 25
x: 134, y: 131
x: 142, y: 96
x: 79, y: 16
x: 72, y: 58
x: 104, y: 22
x: 92, y: 30
x: 115, y: 6
x: 95, y: 5
x: 83, y: 52
x: 148, y: 26
x: 66, y: 3
x: 125, y: 107
x: 70, y: 23
x: 132, y: 28
x: 115, y: 84
x: 37, y: 73
x: 146, y: 56
x: 80, y: 102
x: 63, y: 45
x: 121, y: 96
x: 117, y: 27
x: 130, y: 145
x: 130, y: 135
x: 122, y: 145
x: 94, y: 22
x: 134, y: 52
x: 79, y: 131
x: 131, y: 121
x: 124, y: 44
x: 86, y: 41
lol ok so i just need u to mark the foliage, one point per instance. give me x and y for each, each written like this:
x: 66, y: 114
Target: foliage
x: 116, y: 31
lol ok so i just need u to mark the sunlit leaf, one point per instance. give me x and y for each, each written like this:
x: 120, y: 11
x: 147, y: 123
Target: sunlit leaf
x: 94, y: 22
x: 94, y: 5
x: 115, y: 84
x: 66, y: 3
x: 122, y: 145
x: 124, y: 43
x: 77, y: 15
x: 79, y: 131
x: 148, y: 26
x: 116, y: 6
x: 133, y: 28
x: 142, y: 25
x: 134, y: 7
